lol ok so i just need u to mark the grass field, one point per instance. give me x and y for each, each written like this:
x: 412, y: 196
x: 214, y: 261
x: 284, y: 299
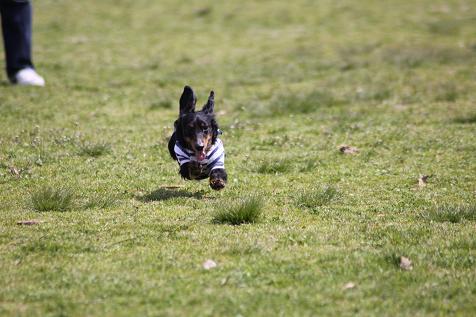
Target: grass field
x: 317, y: 231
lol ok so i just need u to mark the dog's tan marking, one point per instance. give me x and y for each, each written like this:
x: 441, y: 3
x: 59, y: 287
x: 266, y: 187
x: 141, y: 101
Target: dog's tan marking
x: 207, y: 142
x: 190, y: 143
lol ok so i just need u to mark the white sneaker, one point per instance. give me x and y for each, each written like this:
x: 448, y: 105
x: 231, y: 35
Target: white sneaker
x: 29, y: 77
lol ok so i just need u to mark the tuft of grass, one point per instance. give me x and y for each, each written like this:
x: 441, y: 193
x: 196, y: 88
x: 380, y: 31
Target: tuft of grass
x: 246, y: 210
x: 416, y: 56
x: 452, y: 213
x: 373, y: 94
x: 466, y: 120
x: 393, y: 259
x: 100, y: 201
x: 302, y: 103
x: 274, y: 167
x: 202, y: 12
x: 448, y: 92
x: 309, y: 165
x: 94, y: 149
x: 446, y: 27
x: 314, y: 198
x: 162, y: 104
x: 52, y: 199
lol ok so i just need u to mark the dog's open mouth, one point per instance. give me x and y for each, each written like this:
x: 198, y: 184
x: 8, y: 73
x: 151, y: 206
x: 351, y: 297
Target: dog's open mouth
x: 200, y: 155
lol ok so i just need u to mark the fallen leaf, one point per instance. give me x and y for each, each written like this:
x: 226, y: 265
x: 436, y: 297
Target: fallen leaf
x: 405, y: 264
x: 349, y: 285
x: 347, y: 149
x: 209, y: 264
x: 28, y: 222
x: 423, y: 180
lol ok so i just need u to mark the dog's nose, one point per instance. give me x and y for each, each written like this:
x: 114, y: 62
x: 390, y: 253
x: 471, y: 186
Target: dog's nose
x: 199, y: 147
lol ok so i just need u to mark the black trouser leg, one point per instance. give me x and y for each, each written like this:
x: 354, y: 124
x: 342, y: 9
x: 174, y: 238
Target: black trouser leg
x: 16, y: 27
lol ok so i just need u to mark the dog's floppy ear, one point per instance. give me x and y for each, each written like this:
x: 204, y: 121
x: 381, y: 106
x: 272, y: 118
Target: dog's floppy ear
x: 187, y: 100
x: 208, y: 107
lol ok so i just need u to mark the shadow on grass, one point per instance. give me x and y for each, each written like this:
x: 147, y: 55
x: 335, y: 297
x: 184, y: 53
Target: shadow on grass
x: 162, y: 194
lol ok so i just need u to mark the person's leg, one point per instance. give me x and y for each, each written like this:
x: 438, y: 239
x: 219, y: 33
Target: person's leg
x: 16, y: 27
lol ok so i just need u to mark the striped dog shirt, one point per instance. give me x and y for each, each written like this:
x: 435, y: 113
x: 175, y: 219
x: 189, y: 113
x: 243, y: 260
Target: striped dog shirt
x: 215, y: 158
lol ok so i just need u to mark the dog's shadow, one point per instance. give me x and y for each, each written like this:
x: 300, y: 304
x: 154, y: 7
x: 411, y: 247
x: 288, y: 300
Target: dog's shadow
x: 162, y: 194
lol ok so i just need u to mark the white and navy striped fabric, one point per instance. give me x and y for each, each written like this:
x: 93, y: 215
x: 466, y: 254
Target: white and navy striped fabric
x: 215, y: 158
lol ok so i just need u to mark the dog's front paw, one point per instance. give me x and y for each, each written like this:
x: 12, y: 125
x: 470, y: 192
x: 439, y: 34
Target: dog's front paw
x: 217, y: 183
x: 218, y: 179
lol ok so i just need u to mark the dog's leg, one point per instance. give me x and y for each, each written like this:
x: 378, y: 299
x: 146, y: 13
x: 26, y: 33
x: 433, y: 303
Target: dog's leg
x: 185, y: 171
x: 218, y: 178
x: 172, y: 141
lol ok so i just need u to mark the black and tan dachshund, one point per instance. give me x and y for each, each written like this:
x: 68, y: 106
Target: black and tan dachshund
x: 195, y: 144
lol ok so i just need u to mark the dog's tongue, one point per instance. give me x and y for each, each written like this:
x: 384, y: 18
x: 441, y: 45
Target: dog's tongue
x: 201, y: 156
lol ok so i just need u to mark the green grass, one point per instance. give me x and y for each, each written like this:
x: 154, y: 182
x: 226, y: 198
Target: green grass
x: 100, y: 200
x: 274, y: 166
x: 293, y: 82
x: 453, y: 214
x: 466, y: 120
x: 247, y: 210
x: 52, y: 199
x: 94, y: 149
x: 314, y: 198
x: 297, y: 103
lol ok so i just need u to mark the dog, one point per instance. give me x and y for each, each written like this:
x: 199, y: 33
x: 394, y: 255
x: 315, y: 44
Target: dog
x: 195, y: 144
